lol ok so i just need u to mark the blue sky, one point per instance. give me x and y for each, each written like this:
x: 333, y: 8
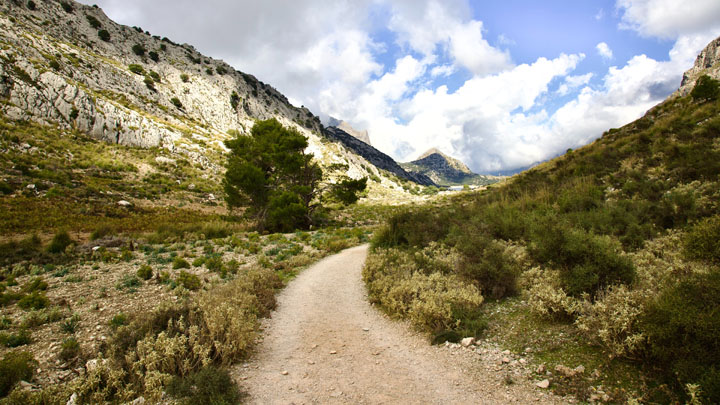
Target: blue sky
x: 499, y: 84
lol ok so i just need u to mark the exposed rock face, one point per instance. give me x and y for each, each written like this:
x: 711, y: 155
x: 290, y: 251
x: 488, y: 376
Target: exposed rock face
x: 707, y: 62
x: 137, y: 89
x: 445, y: 170
x: 374, y: 156
x: 345, y: 126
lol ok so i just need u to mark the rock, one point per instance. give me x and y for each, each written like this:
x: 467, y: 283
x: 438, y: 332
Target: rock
x: 138, y: 401
x: 73, y: 399
x: 505, y: 360
x: 30, y: 187
x: 93, y: 364
x: 579, y: 369
x: 565, y: 371
x: 164, y: 160
x: 366, y: 329
x: 543, y: 384
x: 211, y: 197
x: 26, y: 386
x: 541, y: 369
x: 124, y: 203
x: 467, y: 342
x: 284, y: 372
x: 506, y: 352
x: 523, y: 361
x: 333, y: 351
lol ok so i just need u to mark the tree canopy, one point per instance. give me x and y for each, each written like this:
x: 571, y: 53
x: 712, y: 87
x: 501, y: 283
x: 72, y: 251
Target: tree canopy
x: 280, y: 185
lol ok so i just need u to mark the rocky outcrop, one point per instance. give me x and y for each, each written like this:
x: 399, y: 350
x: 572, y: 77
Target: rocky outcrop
x: 445, y: 170
x: 374, y: 156
x: 345, y: 126
x: 707, y: 62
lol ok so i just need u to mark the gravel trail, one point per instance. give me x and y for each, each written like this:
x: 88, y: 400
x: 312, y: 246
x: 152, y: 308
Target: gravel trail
x: 326, y: 344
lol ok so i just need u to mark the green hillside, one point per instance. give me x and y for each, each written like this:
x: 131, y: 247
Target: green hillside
x: 606, y: 257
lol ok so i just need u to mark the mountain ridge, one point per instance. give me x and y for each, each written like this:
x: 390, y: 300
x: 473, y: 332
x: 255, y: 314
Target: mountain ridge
x: 446, y: 171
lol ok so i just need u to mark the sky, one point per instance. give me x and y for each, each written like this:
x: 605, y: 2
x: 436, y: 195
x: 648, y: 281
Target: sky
x: 499, y: 84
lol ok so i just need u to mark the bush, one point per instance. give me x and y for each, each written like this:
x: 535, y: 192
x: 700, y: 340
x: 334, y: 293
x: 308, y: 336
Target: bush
x: 184, y: 77
x: 587, y: 262
x: 145, y: 272
x: 137, y: 69
x: 682, y: 333
x: 234, y: 99
x: 36, y: 300
x: 70, y: 349
x: 101, y: 232
x: 412, y: 228
x: 188, y: 280
x: 210, y: 385
x: 176, y: 102
x: 104, y: 35
x: 67, y: 7
x: 706, y: 89
x: 20, y: 338
x: 180, y: 263
x: 154, y: 56
x: 485, y: 262
x: 702, y: 242
x: 93, y: 21
x: 15, y: 367
x: 70, y: 325
x: 118, y: 320
x: 138, y: 50
x: 31, y: 5
x: 60, y: 242
x: 155, y: 76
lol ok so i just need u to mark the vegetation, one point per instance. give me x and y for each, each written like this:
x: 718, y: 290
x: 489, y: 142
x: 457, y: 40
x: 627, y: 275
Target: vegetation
x: 177, y: 103
x: 104, y: 35
x: 93, y: 21
x: 14, y: 367
x: 281, y: 186
x: 138, y: 50
x: 614, y: 245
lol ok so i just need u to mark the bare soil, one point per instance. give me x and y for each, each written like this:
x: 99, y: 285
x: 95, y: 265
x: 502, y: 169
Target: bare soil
x: 326, y: 344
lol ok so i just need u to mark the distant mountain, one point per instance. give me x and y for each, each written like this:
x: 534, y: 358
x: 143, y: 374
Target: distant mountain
x: 347, y: 128
x: 375, y: 157
x: 446, y: 171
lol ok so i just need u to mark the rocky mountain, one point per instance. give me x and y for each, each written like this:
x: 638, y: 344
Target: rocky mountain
x: 446, y: 171
x: 707, y: 62
x: 66, y: 64
x: 347, y: 128
x: 375, y: 157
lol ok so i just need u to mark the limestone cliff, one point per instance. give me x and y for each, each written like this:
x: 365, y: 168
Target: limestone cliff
x: 707, y: 62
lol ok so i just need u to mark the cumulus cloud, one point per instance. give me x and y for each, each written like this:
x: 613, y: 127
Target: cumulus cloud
x: 604, y: 50
x: 669, y: 19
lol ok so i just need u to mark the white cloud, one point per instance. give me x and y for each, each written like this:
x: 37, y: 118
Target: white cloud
x: 604, y: 51
x: 574, y: 82
x: 670, y: 19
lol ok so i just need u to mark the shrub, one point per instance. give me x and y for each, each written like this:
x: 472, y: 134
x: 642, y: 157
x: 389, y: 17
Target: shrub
x: 210, y: 385
x: 149, y: 83
x: 60, y: 242
x: 176, y: 102
x: 67, y: 7
x: 93, y: 21
x: 70, y: 325
x: 214, y: 264
x: 118, y: 320
x: 209, y: 71
x: 221, y: 70
x: 145, y: 272
x: 706, y: 89
x: 485, y: 262
x: 188, y: 280
x: 36, y: 284
x: 20, y: 338
x: 128, y: 281
x: 681, y: 328
x: 70, y: 349
x: 702, y: 242
x: 184, y: 77
x: 180, y: 263
x: 137, y: 69
x: 101, y: 232
x: 155, y: 76
x: 31, y: 5
x: 35, y: 300
x: 15, y: 367
x: 587, y: 262
x: 138, y: 50
x: 417, y: 228
x: 104, y: 35
x: 154, y: 56
x: 234, y: 99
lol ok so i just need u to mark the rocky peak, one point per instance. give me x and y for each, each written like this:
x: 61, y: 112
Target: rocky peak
x: 348, y: 129
x: 435, y: 157
x: 707, y: 62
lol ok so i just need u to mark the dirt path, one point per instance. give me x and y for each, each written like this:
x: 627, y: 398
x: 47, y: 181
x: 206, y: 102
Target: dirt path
x: 326, y: 344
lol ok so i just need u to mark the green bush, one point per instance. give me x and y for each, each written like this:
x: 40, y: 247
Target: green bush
x: 587, y: 262
x: 149, y: 83
x: 234, y: 99
x: 104, y: 35
x: 413, y: 228
x: 31, y: 5
x: 36, y: 284
x: 15, y: 367
x: 35, y: 300
x: 682, y: 333
x: 60, y: 242
x: 101, y: 232
x: 702, y: 242
x: 485, y: 263
x: 221, y: 70
x: 154, y: 56
x: 93, y: 21
x: 155, y: 76
x: 184, y: 77
x: 706, y: 89
x: 145, y: 272
x: 20, y: 338
x: 69, y: 349
x: 67, y: 7
x: 180, y: 263
x: 137, y: 69
x: 70, y: 325
x: 210, y: 385
x: 138, y: 50
x: 118, y: 320
x: 176, y: 102
x: 188, y: 280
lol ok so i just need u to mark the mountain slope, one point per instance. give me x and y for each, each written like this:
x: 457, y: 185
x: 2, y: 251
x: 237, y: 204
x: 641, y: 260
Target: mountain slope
x: 67, y: 64
x: 345, y: 126
x: 445, y: 170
